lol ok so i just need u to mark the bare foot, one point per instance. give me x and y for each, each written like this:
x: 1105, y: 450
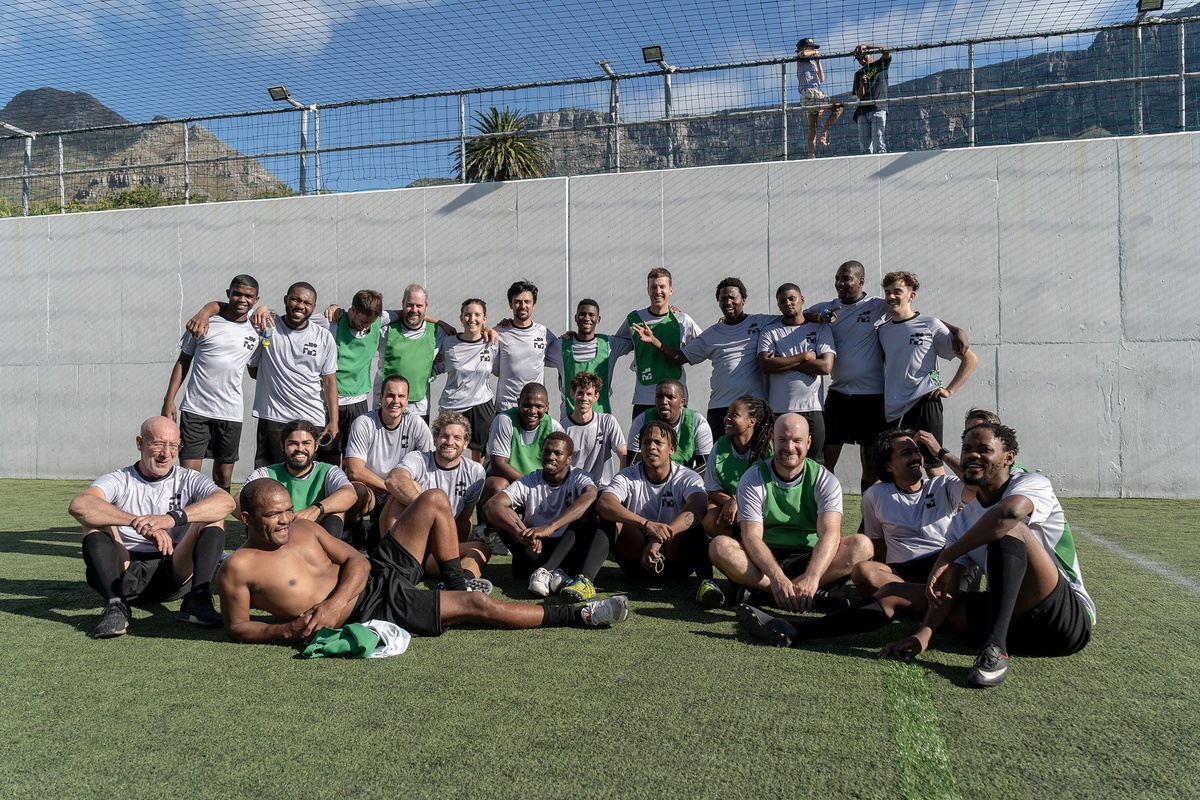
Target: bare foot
x: 824, y: 139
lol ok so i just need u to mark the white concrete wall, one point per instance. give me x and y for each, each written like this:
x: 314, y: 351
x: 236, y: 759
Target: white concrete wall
x: 1067, y: 262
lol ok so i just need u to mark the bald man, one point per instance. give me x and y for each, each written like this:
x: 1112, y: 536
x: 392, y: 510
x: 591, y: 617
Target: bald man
x: 790, y: 511
x: 152, y: 532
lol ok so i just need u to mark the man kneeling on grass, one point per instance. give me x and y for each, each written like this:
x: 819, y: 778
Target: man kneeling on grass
x: 308, y: 580
x: 1016, y: 531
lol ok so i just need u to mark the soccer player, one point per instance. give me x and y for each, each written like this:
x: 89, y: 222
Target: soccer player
x: 379, y: 440
x: 794, y: 354
x: 152, y: 532
x: 320, y: 491
x: 468, y: 359
x: 555, y: 542
x: 410, y: 347
x: 904, y: 515
x: 669, y: 326
x: 357, y: 334
x: 210, y: 415
x: 517, y: 437
x: 731, y: 344
x: 694, y: 439
x: 308, y: 580
x: 523, y: 346
x: 790, y: 513
x: 912, y: 343
x: 584, y: 350
x: 597, y: 435
x: 748, y: 427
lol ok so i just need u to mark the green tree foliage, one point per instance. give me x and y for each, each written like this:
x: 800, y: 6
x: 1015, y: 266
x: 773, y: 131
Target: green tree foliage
x: 502, y: 151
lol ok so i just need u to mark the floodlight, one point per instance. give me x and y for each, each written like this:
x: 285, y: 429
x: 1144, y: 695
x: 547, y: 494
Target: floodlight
x: 1145, y: 6
x: 279, y: 93
x: 652, y: 54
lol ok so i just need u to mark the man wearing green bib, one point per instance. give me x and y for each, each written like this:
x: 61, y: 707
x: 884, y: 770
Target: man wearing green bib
x: 790, y: 512
x: 695, y: 439
x: 584, y: 350
x: 516, y: 439
x: 357, y: 336
x: 320, y: 492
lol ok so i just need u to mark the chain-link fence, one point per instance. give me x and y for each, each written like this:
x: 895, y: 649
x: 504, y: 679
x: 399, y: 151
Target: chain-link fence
x: 1117, y: 80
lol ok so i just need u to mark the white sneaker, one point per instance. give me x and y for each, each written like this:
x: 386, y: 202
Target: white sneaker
x: 599, y: 613
x: 541, y: 581
x: 558, y: 579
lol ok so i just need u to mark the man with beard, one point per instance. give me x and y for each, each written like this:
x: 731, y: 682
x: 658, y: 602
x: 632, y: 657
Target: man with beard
x: 794, y: 354
x: 521, y: 359
x: 309, y: 580
x: 320, y: 491
x: 732, y: 346
x: 410, y: 347
x: 210, y: 416
x: 694, y: 438
x: 152, y: 532
x: 1016, y: 531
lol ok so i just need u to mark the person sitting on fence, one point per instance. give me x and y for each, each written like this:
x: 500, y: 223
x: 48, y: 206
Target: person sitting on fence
x: 810, y: 74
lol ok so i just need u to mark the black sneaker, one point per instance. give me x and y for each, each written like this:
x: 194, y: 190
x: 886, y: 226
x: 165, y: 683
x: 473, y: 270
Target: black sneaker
x: 991, y: 667
x: 752, y: 597
x: 198, y: 610
x: 762, y: 625
x: 827, y: 601
x: 114, y: 622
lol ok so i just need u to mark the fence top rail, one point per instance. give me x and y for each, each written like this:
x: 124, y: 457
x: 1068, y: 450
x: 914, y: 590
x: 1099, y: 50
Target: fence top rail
x: 1152, y: 21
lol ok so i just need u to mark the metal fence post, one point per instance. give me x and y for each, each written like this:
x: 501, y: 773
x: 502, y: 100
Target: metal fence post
x: 1137, y: 74
x: 670, y: 127
x: 783, y: 105
x: 614, y: 116
x: 187, y: 171
x: 1182, y: 79
x: 317, y: 145
x: 462, y: 138
x: 971, y: 88
x: 25, y: 175
x: 304, y: 150
x: 62, y: 186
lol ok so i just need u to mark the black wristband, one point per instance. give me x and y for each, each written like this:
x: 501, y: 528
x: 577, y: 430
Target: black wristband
x: 179, y: 515
x: 320, y: 508
x: 941, y: 453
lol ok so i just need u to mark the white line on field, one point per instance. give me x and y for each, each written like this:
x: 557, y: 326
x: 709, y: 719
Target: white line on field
x: 1158, y: 569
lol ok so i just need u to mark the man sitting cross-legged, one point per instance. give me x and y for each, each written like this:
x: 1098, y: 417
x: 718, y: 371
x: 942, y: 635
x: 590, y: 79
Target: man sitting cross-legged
x: 790, y: 512
x: 557, y: 528
x: 905, y: 515
x: 1015, y: 529
x: 292, y: 569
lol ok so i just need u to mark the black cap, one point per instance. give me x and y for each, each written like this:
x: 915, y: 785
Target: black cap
x: 806, y: 43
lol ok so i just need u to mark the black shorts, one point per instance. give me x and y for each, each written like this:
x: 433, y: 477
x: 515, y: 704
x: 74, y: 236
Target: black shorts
x: 915, y: 570
x: 1059, y: 626
x: 926, y: 415
x: 816, y: 429
x: 792, y: 562
x: 853, y: 418
x: 202, y: 438
x: 392, y: 592
x: 149, y: 579
x: 268, y: 451
x: 480, y: 417
x: 346, y: 416
x: 716, y: 420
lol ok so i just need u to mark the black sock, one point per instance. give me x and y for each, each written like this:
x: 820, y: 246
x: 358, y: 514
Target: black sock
x: 560, y: 548
x: 226, y: 489
x: 1007, y: 561
x: 695, y: 548
x: 597, y: 551
x: 561, y: 616
x: 103, y: 565
x: 334, y: 525
x: 205, y: 557
x: 453, y: 574
x: 865, y: 615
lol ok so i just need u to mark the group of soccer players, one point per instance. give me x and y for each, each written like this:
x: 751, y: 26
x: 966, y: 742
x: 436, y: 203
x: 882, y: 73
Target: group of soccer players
x: 350, y: 508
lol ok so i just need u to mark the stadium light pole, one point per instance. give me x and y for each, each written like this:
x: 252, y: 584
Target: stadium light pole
x: 29, y: 137
x: 614, y: 116
x: 281, y: 93
x: 654, y: 55
x: 1144, y: 7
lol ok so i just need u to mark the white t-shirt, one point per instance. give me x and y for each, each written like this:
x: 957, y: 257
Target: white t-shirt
x: 501, y: 433
x: 543, y: 503
x: 468, y: 367
x: 521, y: 360
x: 752, y: 492
x: 712, y: 481
x: 382, y: 449
x: 1047, y: 522
x: 463, y: 484
x: 794, y: 390
x: 214, y: 381
x: 129, y: 491
x: 911, y: 349
x: 643, y: 395
x: 859, y: 365
x: 595, y: 444
x: 702, y: 433
x: 657, y: 502
x: 334, y: 479
x: 289, y: 373
x: 912, y: 524
x: 733, y: 350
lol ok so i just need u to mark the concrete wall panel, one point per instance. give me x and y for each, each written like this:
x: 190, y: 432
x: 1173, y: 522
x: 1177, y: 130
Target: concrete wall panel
x: 381, y: 246
x: 25, y: 253
x: 1159, y: 409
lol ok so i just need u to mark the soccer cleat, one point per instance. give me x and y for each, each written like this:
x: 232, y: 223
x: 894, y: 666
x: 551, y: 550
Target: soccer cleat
x: 114, y: 622
x: 559, y: 579
x: 826, y: 601
x: 539, y: 582
x: 762, y: 625
x: 198, y: 610
x: 473, y: 585
x: 752, y: 597
x: 599, y: 613
x: 578, y: 590
x: 710, y: 594
x: 991, y: 667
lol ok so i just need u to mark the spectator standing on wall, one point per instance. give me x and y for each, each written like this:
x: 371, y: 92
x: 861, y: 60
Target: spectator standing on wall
x: 810, y: 74
x: 871, y: 83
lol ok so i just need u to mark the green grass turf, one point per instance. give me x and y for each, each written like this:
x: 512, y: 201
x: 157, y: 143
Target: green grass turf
x: 673, y: 703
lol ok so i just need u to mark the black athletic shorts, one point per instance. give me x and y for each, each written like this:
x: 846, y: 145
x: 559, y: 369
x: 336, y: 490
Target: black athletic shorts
x: 915, y: 570
x: 202, y: 438
x: 480, y: 417
x: 392, y: 592
x: 1059, y: 626
x: 853, y: 418
x: 149, y: 579
x: 346, y: 416
x: 716, y: 420
x: 792, y: 562
x: 268, y: 451
x: 926, y: 415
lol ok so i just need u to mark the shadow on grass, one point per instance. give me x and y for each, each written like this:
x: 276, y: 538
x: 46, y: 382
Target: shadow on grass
x: 34, y: 543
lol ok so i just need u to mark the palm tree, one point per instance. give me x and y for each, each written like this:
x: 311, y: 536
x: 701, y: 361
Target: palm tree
x: 502, y: 151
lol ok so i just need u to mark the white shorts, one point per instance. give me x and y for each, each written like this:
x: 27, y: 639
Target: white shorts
x: 813, y: 98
